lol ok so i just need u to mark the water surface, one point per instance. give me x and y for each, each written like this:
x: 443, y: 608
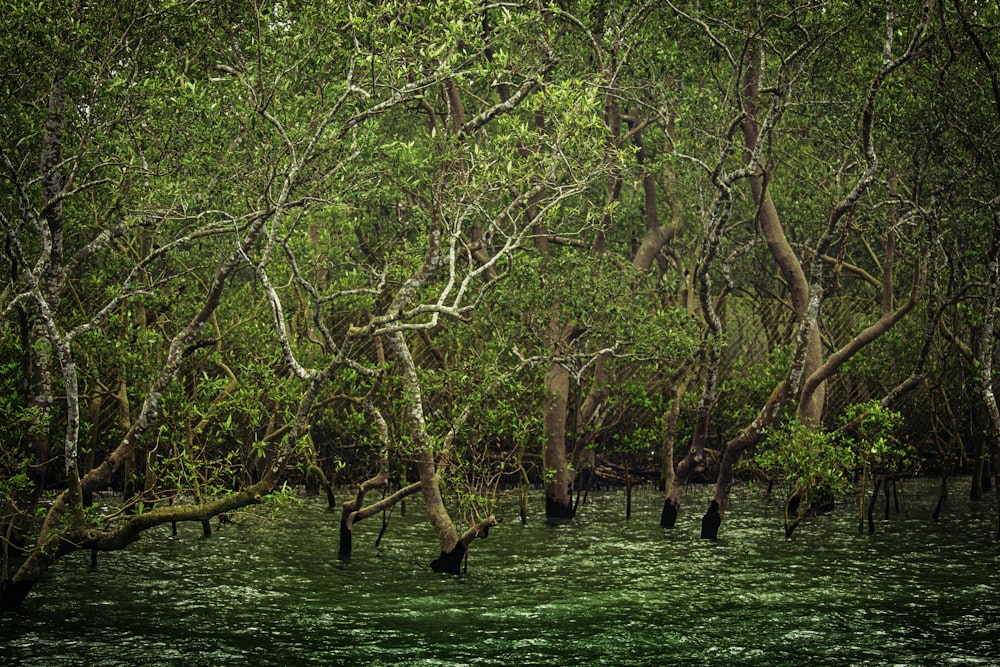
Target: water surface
x: 593, y: 591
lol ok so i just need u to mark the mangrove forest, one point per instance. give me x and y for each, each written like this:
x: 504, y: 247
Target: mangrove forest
x: 479, y: 268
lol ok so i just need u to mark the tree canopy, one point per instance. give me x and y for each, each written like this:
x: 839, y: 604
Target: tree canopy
x: 455, y: 247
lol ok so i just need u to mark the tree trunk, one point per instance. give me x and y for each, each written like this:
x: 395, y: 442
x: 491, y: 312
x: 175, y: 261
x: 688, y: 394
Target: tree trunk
x: 39, y: 352
x: 993, y: 284
x: 64, y: 518
x: 557, y: 474
x: 673, y: 481
x: 732, y: 452
x: 354, y: 509
x: 423, y: 449
x: 810, y: 411
x: 987, y: 345
x: 453, y: 545
x: 807, y: 375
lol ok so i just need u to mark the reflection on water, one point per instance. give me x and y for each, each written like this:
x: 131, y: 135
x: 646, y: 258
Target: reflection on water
x: 592, y: 591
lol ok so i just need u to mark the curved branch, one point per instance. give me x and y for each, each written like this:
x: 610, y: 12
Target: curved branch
x: 837, y: 359
x: 507, y: 105
x: 112, y: 540
x: 385, y: 503
x: 481, y: 529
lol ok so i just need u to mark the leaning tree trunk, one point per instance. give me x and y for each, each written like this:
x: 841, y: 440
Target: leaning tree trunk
x: 810, y: 408
x: 65, y: 529
x: 810, y: 411
x: 800, y: 384
x: 453, y: 545
x: 39, y: 349
x: 734, y: 449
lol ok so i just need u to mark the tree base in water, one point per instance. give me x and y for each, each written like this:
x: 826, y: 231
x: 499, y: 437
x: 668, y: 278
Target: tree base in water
x: 12, y: 594
x: 710, y: 522
x: 558, y: 510
x: 668, y: 519
x: 344, y: 552
x: 450, y: 562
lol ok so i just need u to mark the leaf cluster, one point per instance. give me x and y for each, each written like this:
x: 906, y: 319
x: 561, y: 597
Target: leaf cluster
x: 813, y: 458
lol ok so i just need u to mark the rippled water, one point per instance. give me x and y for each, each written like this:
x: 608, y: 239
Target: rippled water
x: 593, y: 591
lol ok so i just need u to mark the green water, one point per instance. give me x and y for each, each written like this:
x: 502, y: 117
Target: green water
x: 593, y: 591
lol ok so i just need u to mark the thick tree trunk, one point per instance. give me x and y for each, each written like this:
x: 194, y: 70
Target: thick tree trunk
x: 675, y: 481
x: 557, y: 474
x: 686, y: 470
x: 450, y: 561
x: 810, y: 410
x: 712, y: 520
x: 453, y: 545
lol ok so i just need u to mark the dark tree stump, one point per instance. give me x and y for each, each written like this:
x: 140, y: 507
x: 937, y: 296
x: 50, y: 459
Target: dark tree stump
x: 450, y: 562
x: 710, y: 522
x: 346, y: 542
x: 557, y: 510
x: 668, y: 518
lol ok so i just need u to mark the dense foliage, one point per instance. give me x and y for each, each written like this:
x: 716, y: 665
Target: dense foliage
x: 458, y: 248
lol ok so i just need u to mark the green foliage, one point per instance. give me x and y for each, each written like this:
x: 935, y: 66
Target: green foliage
x: 807, y: 457
x: 277, y: 502
x: 869, y: 430
x: 812, y: 458
x: 14, y: 480
x: 597, y: 298
x: 746, y: 388
x: 641, y: 409
x: 187, y: 124
x: 16, y: 420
